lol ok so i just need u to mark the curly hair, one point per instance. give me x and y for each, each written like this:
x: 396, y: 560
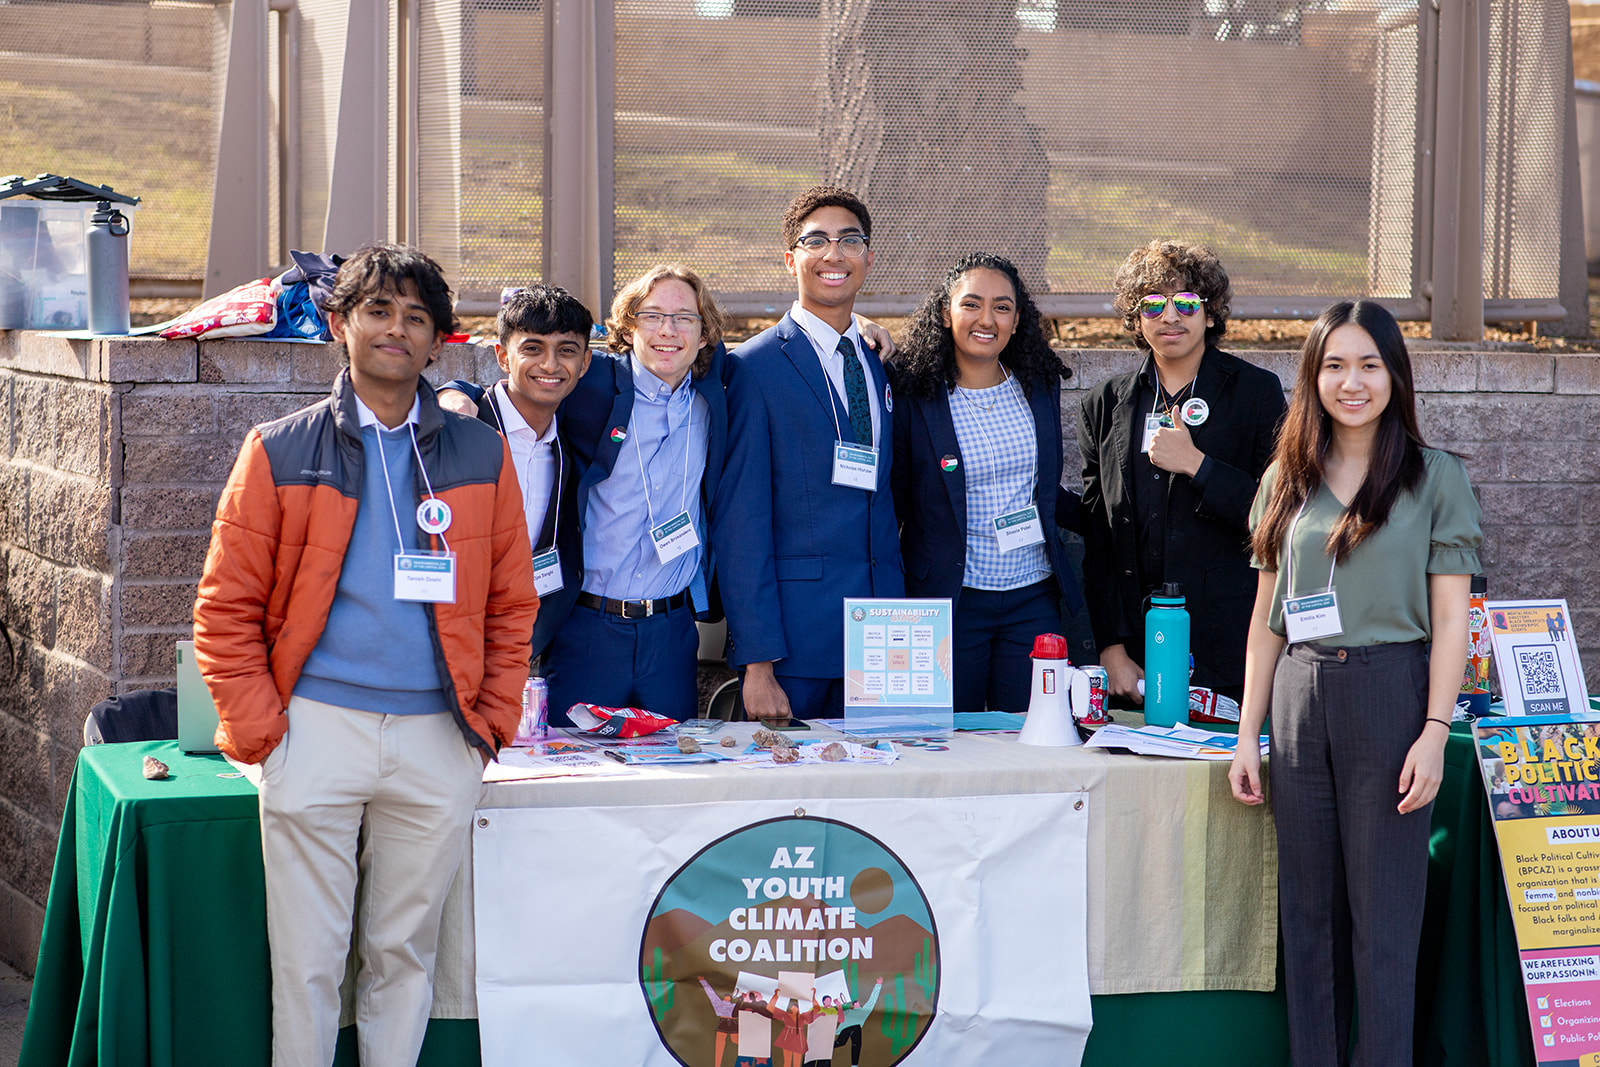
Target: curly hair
x: 926, y: 359
x: 620, y: 324
x: 1170, y: 267
x: 377, y: 267
x: 815, y: 199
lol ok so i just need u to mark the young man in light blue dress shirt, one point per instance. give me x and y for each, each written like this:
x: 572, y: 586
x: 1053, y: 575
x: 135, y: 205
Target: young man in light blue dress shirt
x: 648, y: 427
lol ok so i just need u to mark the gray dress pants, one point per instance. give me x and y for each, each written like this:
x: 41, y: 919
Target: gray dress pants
x: 1352, y: 871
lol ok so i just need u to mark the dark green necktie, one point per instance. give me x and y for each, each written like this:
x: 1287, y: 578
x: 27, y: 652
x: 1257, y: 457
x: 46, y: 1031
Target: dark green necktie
x: 855, y: 393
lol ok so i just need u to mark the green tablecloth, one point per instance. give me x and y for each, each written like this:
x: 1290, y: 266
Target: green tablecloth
x: 154, y: 947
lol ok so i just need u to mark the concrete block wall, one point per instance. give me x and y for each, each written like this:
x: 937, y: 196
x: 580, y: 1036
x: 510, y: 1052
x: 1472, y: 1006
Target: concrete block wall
x: 112, y: 456
x: 113, y: 452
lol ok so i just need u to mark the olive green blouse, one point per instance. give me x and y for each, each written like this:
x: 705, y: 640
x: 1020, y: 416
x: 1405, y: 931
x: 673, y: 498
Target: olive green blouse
x: 1383, y: 584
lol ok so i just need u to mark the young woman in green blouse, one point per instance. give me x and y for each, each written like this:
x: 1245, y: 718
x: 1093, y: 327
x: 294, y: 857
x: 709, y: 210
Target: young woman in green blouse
x: 1365, y: 540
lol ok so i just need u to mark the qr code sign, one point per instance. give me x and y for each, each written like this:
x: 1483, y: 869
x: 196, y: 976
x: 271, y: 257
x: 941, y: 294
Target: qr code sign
x: 1541, y: 677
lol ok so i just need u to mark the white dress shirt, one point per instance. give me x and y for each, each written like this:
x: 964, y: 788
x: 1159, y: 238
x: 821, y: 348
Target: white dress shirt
x: 535, y: 457
x: 825, y: 339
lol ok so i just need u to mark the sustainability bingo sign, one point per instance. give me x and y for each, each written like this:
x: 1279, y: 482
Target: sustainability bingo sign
x: 897, y: 654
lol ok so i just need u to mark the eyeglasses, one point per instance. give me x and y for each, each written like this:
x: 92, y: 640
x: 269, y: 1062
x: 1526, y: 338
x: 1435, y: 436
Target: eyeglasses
x: 851, y: 245
x: 654, y: 320
x: 1155, y: 305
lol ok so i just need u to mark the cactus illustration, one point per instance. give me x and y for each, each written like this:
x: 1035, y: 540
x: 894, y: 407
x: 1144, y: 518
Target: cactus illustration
x: 925, y: 972
x: 852, y: 972
x: 659, y: 989
x: 899, y: 1021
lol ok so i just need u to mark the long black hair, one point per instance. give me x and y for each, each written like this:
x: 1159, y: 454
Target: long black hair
x: 926, y: 359
x: 1396, y: 465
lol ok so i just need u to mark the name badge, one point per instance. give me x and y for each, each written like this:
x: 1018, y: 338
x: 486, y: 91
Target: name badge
x: 1019, y: 529
x: 1156, y: 420
x: 1306, y: 618
x: 855, y: 466
x: 674, y: 537
x: 547, y: 573
x: 426, y: 576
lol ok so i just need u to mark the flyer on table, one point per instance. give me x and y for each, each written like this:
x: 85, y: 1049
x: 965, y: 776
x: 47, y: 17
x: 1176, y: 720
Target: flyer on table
x: 1536, y: 656
x: 1542, y: 777
x: 897, y: 654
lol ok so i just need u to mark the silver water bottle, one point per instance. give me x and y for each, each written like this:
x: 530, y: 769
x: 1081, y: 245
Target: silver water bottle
x: 108, y: 270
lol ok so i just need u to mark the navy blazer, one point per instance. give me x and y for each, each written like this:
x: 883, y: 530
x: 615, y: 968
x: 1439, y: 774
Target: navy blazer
x: 553, y: 609
x: 792, y: 544
x: 602, y: 403
x: 932, y: 502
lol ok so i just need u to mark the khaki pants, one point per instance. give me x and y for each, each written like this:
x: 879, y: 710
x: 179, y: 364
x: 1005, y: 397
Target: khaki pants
x: 392, y: 795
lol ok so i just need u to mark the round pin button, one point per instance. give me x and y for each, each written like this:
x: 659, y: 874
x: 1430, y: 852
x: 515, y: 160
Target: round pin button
x: 433, y: 516
x: 1195, y: 411
x: 949, y: 463
x: 618, y: 434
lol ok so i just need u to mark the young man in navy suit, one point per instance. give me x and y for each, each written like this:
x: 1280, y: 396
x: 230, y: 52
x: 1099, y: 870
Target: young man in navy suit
x: 805, y: 515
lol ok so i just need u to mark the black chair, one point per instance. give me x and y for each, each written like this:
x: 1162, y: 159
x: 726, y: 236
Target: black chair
x: 145, y: 715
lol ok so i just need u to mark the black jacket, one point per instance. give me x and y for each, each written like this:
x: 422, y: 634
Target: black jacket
x: 1213, y: 564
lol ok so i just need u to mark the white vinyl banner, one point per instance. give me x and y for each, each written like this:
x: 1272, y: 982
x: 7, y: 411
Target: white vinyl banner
x: 927, y: 931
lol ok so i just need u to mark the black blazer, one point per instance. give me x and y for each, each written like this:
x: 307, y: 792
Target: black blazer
x: 603, y: 402
x: 1214, y: 566
x: 932, y: 502
x: 553, y: 609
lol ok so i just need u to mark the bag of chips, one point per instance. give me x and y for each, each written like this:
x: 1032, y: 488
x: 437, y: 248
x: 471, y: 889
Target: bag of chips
x: 616, y: 722
x: 245, y: 311
x: 1208, y: 705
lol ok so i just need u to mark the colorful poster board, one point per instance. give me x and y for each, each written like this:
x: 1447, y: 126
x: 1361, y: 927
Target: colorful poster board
x: 1542, y: 777
x: 1536, y: 656
x: 897, y: 657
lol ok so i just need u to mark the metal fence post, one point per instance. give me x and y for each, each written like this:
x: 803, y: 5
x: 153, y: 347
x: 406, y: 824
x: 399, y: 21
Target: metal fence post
x: 578, y: 93
x: 1574, y: 288
x: 1457, y: 289
x: 237, y: 250
x: 358, y: 188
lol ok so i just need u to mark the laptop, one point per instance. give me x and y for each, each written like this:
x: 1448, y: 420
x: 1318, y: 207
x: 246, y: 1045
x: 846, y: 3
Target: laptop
x: 197, y: 715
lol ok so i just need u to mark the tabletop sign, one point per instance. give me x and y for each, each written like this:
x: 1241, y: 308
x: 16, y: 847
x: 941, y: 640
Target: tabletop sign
x: 897, y: 658
x: 1536, y: 655
x: 1542, y: 777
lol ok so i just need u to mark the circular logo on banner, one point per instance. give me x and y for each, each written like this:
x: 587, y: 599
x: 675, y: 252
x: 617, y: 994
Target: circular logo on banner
x: 1195, y: 411
x: 787, y: 924
x: 618, y: 434
x: 858, y: 614
x: 433, y: 515
x: 949, y: 463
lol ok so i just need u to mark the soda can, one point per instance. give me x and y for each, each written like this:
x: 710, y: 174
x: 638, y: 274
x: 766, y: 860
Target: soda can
x: 1097, y: 695
x: 535, y: 722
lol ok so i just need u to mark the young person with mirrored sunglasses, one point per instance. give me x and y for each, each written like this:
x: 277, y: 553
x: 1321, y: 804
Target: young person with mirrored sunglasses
x: 1172, y: 453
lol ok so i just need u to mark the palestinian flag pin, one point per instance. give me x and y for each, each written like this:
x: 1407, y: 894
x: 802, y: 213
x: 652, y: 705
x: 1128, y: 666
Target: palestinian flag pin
x: 618, y: 434
x: 949, y: 463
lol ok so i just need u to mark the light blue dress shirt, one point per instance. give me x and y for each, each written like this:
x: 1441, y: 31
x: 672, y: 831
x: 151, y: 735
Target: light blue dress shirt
x: 657, y: 476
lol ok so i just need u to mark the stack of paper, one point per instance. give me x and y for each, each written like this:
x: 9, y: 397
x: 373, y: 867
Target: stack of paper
x: 1184, y: 742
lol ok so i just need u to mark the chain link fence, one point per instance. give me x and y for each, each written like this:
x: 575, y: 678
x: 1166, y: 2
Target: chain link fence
x: 126, y: 94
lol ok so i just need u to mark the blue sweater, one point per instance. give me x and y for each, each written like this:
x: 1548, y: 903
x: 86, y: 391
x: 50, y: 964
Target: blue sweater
x: 376, y: 653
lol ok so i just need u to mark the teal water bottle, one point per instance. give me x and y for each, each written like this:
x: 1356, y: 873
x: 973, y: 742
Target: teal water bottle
x: 1166, y: 658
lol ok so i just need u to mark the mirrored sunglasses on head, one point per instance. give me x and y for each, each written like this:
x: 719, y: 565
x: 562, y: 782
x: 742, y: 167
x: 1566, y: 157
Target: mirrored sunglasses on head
x: 1155, y: 305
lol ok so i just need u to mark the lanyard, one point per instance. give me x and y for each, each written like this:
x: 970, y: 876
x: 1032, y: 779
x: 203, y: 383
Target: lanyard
x: 384, y: 463
x: 1288, y: 570
x: 988, y: 444
x: 552, y: 515
x: 644, y: 473
x: 1177, y: 398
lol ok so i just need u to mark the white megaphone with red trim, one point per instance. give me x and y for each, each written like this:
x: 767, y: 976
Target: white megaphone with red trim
x: 1060, y: 696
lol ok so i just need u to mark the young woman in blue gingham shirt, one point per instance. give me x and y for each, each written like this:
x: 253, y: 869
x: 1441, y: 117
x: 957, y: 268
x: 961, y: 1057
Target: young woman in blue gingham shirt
x: 977, y: 474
